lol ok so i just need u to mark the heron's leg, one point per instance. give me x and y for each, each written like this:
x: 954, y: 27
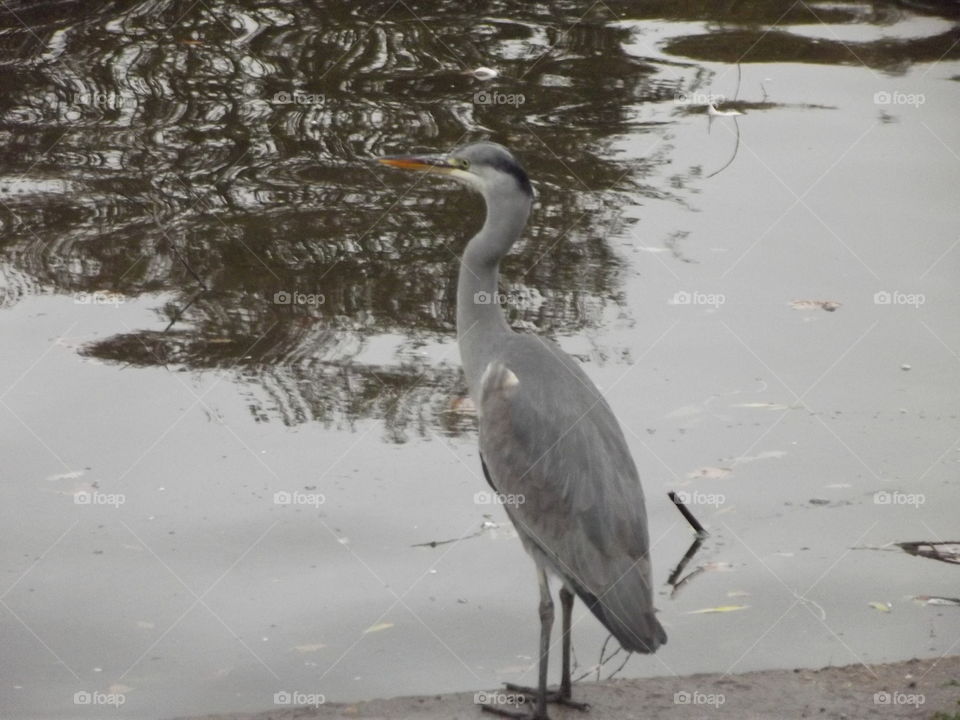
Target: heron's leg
x: 566, y: 604
x: 540, y: 693
x: 561, y: 696
x: 546, y: 625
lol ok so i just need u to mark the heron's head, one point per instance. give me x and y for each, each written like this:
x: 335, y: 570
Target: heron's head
x: 486, y: 167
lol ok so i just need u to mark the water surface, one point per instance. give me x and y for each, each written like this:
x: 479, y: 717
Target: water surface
x: 210, y: 294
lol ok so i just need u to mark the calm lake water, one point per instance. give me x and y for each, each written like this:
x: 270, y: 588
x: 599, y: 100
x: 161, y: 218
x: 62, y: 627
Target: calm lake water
x: 231, y: 406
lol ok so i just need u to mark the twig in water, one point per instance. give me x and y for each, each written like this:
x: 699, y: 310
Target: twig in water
x: 435, y: 543
x: 694, y: 523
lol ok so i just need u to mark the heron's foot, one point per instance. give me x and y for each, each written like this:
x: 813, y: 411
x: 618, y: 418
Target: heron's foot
x: 560, y: 696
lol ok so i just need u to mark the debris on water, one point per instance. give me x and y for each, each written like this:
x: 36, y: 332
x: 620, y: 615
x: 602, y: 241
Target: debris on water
x: 483, y: 73
x: 309, y: 648
x: 762, y: 406
x: 828, y: 305
x: 719, y: 609
x: 718, y: 566
x: 710, y: 473
x: 819, y: 501
x: 943, y: 551
x: 486, y: 525
x: 713, y: 112
x: 906, y: 366
x: 934, y: 600
x: 378, y: 627
x: 881, y: 606
x: 67, y: 475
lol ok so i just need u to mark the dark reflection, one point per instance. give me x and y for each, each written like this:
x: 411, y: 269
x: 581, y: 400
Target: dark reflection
x: 215, y: 155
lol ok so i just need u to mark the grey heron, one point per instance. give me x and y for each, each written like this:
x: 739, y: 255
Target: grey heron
x: 547, y: 435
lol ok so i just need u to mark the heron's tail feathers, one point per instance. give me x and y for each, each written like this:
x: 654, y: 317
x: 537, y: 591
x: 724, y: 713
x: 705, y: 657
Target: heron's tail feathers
x: 626, y: 611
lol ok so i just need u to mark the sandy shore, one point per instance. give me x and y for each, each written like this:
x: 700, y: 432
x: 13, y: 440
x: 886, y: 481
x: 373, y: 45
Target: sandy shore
x: 911, y: 689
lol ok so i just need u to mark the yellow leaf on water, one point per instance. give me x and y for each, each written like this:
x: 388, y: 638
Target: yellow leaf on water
x: 378, y: 627
x: 720, y: 609
x: 882, y: 607
x: 308, y: 648
x: 738, y: 593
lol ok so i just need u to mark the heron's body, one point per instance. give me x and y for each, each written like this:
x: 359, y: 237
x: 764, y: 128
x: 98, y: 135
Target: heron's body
x: 548, y: 439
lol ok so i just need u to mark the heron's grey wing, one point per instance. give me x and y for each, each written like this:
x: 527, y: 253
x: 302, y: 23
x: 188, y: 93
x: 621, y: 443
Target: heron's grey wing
x: 549, y: 439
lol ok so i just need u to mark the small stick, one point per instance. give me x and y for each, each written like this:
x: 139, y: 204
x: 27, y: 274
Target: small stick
x: 694, y: 523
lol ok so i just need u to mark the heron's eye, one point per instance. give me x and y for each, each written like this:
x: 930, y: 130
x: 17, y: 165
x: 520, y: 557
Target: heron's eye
x: 461, y: 163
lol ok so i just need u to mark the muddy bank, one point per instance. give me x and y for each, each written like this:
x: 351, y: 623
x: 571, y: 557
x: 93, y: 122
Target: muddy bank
x: 911, y: 689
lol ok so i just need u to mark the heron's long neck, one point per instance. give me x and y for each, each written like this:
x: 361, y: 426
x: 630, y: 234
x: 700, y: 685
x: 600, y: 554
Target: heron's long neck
x: 481, y: 324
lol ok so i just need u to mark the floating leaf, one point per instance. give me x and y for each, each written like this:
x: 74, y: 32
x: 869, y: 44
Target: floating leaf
x: 882, y: 607
x: 67, y: 475
x: 720, y: 609
x: 828, y: 305
x: 710, y: 473
x: 737, y: 593
x: 762, y: 406
x: 378, y: 627
x: 313, y: 647
x: 933, y: 600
